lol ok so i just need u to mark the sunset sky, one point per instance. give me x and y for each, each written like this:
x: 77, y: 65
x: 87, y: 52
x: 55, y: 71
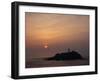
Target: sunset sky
x: 47, y: 34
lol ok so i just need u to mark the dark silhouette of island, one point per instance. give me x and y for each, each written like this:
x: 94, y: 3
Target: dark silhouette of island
x: 70, y: 55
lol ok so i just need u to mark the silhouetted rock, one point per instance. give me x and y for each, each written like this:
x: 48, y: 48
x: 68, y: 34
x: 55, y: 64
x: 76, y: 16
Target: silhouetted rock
x: 73, y: 55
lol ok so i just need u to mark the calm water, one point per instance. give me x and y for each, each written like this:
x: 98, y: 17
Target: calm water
x: 52, y: 63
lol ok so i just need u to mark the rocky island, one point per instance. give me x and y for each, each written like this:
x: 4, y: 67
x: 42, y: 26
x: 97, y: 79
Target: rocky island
x: 70, y: 55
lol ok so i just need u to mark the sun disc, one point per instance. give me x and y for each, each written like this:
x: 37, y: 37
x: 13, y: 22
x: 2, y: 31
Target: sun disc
x: 45, y: 46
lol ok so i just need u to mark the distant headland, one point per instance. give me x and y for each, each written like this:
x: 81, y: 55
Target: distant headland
x: 70, y: 55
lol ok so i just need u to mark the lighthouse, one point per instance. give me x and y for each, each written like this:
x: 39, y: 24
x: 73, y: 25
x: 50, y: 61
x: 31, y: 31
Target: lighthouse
x: 68, y: 50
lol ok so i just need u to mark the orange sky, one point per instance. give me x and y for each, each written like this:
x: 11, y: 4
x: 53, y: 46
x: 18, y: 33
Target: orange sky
x: 55, y: 30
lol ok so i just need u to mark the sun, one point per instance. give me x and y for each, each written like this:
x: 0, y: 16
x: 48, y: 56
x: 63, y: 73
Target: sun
x: 45, y: 46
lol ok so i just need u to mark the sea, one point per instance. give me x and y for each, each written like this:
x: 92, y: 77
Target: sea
x: 41, y: 62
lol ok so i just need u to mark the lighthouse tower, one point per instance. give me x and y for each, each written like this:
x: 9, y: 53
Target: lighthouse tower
x: 68, y: 50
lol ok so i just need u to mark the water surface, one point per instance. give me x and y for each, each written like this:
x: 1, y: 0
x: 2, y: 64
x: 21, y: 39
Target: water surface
x: 40, y: 62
